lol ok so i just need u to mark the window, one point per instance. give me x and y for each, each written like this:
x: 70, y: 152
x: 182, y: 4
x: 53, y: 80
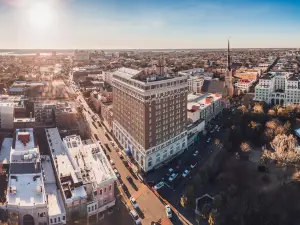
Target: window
x: 58, y: 219
x: 104, y: 190
x: 109, y: 188
x: 150, y: 161
x: 54, y: 220
x: 92, y: 208
x: 64, y: 217
x: 101, y: 192
x: 89, y: 209
x: 51, y: 221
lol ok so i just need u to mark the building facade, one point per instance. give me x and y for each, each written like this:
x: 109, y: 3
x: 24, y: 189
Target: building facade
x: 244, y: 85
x: 26, y: 196
x: 84, y: 174
x: 150, y: 114
x: 278, y: 88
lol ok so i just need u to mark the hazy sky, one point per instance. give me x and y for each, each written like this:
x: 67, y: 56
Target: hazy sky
x: 106, y: 24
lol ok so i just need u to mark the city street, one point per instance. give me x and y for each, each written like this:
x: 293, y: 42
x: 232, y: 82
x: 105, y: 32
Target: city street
x: 151, y: 208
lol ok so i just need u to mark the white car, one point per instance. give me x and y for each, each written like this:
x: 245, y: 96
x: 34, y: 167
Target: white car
x: 171, y: 170
x: 173, y: 176
x: 195, y: 153
x: 159, y: 185
x: 193, y: 165
x: 168, y: 211
x: 185, y: 173
x: 117, y: 173
x: 135, y: 217
x: 112, y: 162
x: 134, y: 203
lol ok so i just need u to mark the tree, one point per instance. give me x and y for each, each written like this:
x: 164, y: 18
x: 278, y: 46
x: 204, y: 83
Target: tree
x: 188, y: 198
x: 245, y: 147
x: 258, y: 108
x: 218, y: 201
x: 214, y: 217
x: 272, y: 112
x: 205, y: 210
x: 287, y: 127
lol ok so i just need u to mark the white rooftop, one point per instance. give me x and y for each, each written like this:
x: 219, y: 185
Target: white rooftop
x: 64, y: 164
x: 126, y: 72
x: 202, y: 101
x: 5, y: 150
x: 55, y: 203
x: 26, y: 190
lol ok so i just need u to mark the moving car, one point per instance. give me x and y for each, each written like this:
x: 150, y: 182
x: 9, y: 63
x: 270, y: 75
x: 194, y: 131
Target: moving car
x: 185, y: 173
x: 134, y: 203
x: 195, y: 153
x: 168, y: 211
x: 173, y: 176
x: 159, y: 185
x: 135, y: 217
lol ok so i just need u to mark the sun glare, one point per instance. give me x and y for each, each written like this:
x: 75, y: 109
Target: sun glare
x: 40, y: 15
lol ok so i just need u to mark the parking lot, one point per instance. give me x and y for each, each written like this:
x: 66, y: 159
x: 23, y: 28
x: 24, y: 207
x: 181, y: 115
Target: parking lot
x: 187, y: 164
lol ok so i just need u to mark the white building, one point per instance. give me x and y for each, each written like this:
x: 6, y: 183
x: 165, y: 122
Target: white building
x: 56, y: 208
x: 204, y: 107
x: 244, y: 85
x: 280, y: 88
x: 84, y: 174
x: 26, y: 196
x: 196, y: 78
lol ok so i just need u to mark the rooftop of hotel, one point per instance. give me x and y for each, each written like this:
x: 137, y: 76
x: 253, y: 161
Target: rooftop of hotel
x: 26, y: 190
x: 142, y: 76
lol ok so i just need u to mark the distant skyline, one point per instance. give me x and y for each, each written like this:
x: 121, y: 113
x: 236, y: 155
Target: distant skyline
x: 141, y: 24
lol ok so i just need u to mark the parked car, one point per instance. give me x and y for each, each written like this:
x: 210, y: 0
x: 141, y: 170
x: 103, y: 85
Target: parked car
x: 134, y: 203
x: 168, y: 211
x: 159, y: 185
x: 173, y: 176
x: 112, y: 162
x: 194, y: 165
x: 117, y: 173
x: 195, y: 153
x: 171, y: 170
x: 135, y: 217
x: 185, y: 173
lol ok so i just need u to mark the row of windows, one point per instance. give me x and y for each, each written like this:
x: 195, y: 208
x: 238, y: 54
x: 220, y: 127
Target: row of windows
x: 58, y: 219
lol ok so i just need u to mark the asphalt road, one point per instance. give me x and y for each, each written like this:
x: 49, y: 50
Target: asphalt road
x: 151, y: 208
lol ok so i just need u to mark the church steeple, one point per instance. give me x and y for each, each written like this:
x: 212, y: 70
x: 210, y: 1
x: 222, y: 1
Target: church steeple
x: 228, y: 57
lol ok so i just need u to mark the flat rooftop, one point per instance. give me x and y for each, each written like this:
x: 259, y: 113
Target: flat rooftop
x: 55, y: 202
x: 66, y: 168
x: 26, y: 190
x: 90, y: 158
x: 5, y: 150
x: 202, y: 101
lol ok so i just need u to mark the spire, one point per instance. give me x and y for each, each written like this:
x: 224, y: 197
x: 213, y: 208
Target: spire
x: 228, y: 57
